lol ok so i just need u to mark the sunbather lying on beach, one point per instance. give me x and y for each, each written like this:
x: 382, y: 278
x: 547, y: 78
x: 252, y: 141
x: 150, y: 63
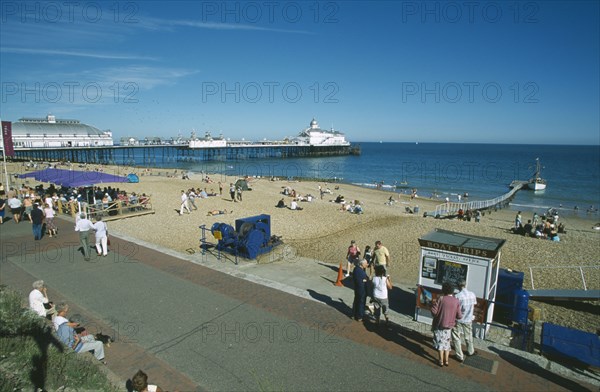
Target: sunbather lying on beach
x: 218, y: 212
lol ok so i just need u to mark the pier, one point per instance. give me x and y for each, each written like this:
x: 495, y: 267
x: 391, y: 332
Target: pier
x: 451, y: 209
x: 158, y: 155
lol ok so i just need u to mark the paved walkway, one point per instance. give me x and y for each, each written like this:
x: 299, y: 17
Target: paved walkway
x: 193, y: 322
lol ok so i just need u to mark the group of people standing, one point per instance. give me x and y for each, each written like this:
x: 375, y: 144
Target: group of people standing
x: 453, y: 315
x: 367, y: 285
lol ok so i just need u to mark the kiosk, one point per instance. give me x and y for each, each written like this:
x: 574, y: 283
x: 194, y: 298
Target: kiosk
x: 448, y: 256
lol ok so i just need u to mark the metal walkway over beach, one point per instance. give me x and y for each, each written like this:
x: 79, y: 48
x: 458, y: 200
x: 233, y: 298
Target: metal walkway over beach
x: 451, y: 209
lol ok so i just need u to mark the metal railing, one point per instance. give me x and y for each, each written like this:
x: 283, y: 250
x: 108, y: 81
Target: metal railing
x: 580, y: 267
x: 114, y: 208
x: 452, y: 208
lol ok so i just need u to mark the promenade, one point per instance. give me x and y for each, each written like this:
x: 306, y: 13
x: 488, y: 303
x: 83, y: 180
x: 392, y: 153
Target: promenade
x: 193, y: 322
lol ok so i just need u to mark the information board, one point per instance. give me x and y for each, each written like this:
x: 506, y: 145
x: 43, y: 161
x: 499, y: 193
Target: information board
x: 448, y: 271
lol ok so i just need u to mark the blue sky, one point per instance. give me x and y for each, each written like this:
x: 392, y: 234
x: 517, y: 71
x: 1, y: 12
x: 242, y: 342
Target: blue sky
x: 496, y: 72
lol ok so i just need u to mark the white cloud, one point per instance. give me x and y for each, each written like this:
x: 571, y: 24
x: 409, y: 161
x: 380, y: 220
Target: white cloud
x: 56, y: 52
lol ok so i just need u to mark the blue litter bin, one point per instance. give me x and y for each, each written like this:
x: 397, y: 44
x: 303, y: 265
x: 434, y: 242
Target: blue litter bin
x: 508, y: 284
x: 521, y: 307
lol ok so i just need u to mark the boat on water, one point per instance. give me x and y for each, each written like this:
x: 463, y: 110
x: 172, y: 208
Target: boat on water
x: 537, y: 183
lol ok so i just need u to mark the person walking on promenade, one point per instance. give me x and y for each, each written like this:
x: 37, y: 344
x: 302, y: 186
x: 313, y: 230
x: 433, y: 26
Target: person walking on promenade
x: 101, y: 237
x: 83, y: 226
x: 184, y: 203
x: 50, y: 225
x: 360, y: 291
x: 352, y: 256
x: 445, y: 311
x: 467, y: 300
x: 37, y: 220
x: 381, y: 285
x: 381, y: 256
x: 15, y: 205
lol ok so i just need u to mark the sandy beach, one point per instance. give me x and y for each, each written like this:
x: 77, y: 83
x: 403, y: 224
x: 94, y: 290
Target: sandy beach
x: 323, y: 231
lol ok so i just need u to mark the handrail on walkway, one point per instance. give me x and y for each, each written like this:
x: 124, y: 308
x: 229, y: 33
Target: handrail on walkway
x: 114, y: 210
x: 448, y: 208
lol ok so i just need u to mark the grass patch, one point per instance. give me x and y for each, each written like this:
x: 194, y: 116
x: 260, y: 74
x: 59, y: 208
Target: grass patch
x: 32, y: 356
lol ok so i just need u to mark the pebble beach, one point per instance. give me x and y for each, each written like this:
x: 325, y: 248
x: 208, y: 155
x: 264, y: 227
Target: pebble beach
x: 322, y: 231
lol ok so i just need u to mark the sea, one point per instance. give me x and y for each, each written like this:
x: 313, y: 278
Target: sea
x: 440, y: 170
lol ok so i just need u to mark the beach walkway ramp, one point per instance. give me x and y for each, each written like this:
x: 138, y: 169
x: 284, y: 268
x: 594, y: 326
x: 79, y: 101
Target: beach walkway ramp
x: 451, y: 209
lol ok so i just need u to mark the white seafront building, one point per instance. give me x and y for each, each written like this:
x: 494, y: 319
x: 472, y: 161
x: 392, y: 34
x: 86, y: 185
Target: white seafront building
x: 51, y: 132
x: 315, y: 136
x: 207, y: 141
x: 312, y: 136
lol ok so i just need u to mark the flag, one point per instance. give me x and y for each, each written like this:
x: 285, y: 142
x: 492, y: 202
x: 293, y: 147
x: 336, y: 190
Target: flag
x: 7, y: 141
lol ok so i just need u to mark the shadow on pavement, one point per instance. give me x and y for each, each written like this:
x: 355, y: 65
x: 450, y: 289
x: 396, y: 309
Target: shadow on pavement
x: 402, y: 301
x: 327, y: 300
x: 536, y: 369
x: 410, y: 340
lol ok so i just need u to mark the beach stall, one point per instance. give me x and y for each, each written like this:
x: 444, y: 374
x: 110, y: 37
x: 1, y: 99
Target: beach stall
x: 448, y: 256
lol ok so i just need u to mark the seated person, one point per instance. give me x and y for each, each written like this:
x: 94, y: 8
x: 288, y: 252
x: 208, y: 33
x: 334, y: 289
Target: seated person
x: 38, y: 300
x: 518, y: 230
x: 294, y: 205
x: 144, y: 200
x: 340, y: 199
x: 60, y: 318
x: 79, y: 344
x: 280, y: 204
x: 528, y: 228
x: 218, y: 212
x: 358, y: 209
